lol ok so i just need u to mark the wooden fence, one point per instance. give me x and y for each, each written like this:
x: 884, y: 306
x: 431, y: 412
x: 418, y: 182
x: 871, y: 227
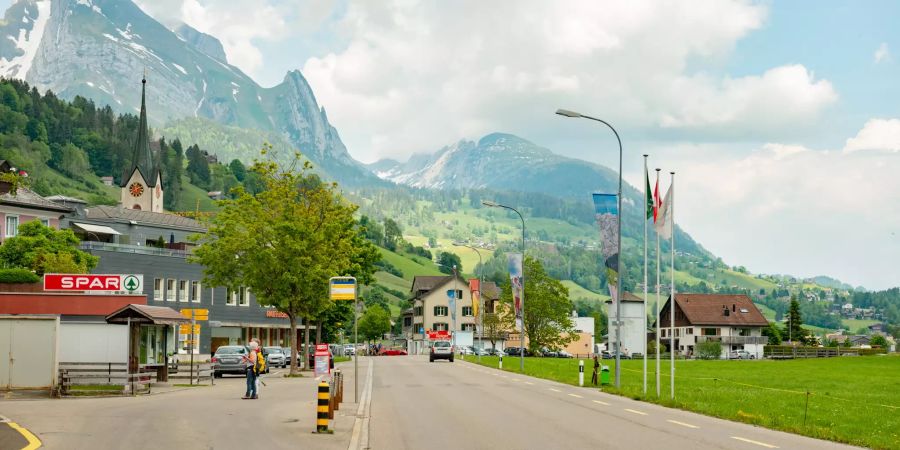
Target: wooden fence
x: 202, y: 373
x: 102, y: 378
x: 791, y: 352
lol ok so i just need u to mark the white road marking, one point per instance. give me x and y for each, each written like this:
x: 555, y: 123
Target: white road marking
x: 529, y: 383
x: 761, y: 444
x: 575, y: 395
x: 634, y: 411
x: 554, y: 390
x: 682, y: 424
x: 602, y: 403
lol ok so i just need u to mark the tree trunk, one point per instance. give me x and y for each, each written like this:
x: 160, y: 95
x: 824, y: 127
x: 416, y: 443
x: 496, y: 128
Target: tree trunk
x: 306, y: 344
x: 293, y: 320
x: 319, y: 331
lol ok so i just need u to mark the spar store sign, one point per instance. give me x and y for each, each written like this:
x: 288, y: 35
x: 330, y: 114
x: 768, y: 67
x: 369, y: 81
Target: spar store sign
x: 94, y: 283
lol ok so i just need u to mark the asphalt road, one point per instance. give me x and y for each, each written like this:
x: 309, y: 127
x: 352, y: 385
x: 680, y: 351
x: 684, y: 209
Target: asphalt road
x: 417, y: 404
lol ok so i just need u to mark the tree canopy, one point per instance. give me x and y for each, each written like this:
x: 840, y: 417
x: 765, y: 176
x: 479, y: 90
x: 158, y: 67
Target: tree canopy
x: 286, y: 241
x: 374, y: 323
x: 548, y: 310
x: 43, y: 249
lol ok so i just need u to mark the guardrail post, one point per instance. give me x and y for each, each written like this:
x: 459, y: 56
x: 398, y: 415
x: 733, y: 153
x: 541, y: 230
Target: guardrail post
x: 501, y: 361
x: 322, y: 409
x: 581, y: 372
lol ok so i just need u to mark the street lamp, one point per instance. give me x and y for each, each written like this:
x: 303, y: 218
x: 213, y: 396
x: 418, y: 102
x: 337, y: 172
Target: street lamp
x: 522, y: 331
x: 480, y: 298
x: 620, y: 288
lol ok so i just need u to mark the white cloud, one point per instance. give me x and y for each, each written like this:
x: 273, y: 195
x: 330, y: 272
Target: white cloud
x: 415, y: 76
x: 791, y: 209
x: 883, y: 53
x: 877, y: 134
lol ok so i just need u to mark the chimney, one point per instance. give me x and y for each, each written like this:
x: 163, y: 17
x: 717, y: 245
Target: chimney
x: 733, y: 308
x: 725, y: 311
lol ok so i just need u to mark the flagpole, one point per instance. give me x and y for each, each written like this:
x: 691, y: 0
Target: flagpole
x: 672, y: 273
x: 656, y: 191
x: 646, y: 194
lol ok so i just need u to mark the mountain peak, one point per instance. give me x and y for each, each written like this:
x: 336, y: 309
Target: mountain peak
x: 201, y: 41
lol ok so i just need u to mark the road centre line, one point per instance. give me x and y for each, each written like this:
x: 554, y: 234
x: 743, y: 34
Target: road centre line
x: 554, y: 390
x: 634, y: 411
x: 575, y: 395
x: 529, y: 383
x: 602, y: 403
x: 682, y: 423
x: 761, y: 444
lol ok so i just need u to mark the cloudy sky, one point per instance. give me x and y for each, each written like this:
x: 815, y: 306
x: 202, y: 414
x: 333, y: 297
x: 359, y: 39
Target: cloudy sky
x: 782, y: 120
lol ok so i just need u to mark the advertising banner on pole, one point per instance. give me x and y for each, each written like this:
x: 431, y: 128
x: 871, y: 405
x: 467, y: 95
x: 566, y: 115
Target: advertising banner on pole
x: 451, y: 296
x: 515, y: 278
x: 606, y: 210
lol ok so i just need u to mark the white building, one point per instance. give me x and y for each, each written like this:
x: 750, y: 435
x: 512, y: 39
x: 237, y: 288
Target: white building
x: 634, y: 325
x: 730, y: 319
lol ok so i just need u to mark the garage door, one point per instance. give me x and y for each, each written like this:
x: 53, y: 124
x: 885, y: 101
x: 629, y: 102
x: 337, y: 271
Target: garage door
x: 28, y: 351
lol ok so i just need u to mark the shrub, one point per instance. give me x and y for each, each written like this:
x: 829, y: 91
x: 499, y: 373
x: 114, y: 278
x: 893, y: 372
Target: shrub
x: 18, y: 276
x: 709, y: 350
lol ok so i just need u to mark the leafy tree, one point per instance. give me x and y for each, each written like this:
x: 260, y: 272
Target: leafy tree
x: 548, y: 321
x: 774, y: 334
x: 709, y: 350
x: 198, y: 167
x: 45, y: 250
x: 376, y: 297
x: 794, y: 327
x: 285, y: 242
x: 447, y: 261
x: 375, y: 322
x: 393, y: 235
x: 878, y: 340
x: 238, y: 169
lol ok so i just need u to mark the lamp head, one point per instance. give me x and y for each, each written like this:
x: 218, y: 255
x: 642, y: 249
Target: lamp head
x: 567, y: 113
x: 489, y: 203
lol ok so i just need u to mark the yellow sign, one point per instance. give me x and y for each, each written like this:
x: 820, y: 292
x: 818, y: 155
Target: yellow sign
x: 196, y: 313
x: 343, y: 288
x: 186, y: 329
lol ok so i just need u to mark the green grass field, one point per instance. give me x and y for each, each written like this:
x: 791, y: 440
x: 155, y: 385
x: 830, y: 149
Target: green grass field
x: 852, y: 399
x: 576, y: 291
x: 855, y: 324
x: 410, y: 266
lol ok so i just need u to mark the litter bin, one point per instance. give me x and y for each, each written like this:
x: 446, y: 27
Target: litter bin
x: 604, y: 374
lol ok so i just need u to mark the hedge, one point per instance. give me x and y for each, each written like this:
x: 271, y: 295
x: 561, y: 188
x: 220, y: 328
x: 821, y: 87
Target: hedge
x: 18, y: 276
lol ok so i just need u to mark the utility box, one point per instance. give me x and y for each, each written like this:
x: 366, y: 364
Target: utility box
x: 28, y: 351
x: 604, y: 374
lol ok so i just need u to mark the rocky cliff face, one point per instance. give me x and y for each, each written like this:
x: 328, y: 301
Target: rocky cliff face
x: 99, y: 49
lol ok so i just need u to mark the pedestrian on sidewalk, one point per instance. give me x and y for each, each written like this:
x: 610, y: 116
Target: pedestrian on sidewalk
x: 251, y: 371
x: 596, y: 367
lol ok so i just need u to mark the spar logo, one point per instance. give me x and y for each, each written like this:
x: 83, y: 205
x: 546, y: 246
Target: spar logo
x: 93, y: 282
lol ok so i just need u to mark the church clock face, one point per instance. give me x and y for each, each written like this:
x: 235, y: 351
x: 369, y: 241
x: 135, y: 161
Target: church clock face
x: 136, y: 189
x: 158, y: 191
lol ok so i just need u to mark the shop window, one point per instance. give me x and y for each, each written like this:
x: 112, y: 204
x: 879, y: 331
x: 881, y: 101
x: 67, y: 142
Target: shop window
x: 158, y: 289
x: 467, y: 311
x: 170, y: 290
x: 440, y: 311
x: 195, y: 291
x: 182, y: 290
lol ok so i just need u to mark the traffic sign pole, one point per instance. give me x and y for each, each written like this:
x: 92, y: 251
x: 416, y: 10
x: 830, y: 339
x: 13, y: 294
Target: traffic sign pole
x: 340, y: 289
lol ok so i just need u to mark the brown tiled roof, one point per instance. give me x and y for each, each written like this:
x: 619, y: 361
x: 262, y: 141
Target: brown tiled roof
x: 708, y: 309
x: 428, y: 282
x: 629, y: 297
x: 142, y: 217
x: 490, y: 290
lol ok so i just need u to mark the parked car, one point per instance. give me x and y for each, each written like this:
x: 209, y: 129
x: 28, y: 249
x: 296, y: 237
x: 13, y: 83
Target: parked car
x: 606, y: 355
x: 547, y: 353
x: 495, y: 352
x: 516, y: 351
x: 441, y: 350
x: 482, y: 352
x: 563, y: 354
x: 636, y: 355
x: 741, y: 354
x: 466, y: 350
x: 349, y: 350
x: 275, y: 357
x: 231, y: 359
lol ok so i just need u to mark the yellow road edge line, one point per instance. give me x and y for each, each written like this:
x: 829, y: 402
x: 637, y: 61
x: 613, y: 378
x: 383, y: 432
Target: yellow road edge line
x: 602, y: 403
x: 575, y: 395
x: 761, y: 444
x: 33, y: 441
x: 682, y: 423
x: 636, y: 412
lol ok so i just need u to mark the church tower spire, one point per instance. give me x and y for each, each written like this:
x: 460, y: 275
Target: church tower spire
x: 142, y: 184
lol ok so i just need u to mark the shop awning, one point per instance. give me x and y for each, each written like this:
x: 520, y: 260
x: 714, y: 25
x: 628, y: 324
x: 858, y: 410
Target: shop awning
x: 144, y: 314
x: 99, y: 229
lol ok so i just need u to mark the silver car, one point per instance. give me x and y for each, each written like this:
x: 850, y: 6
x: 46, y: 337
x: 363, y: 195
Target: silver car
x: 231, y: 359
x: 441, y: 350
x: 275, y: 357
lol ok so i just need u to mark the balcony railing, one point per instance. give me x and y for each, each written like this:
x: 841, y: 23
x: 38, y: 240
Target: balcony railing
x: 136, y: 249
x: 746, y: 340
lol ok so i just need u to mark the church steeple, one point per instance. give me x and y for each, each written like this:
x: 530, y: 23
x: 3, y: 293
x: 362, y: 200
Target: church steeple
x: 142, y: 182
x: 141, y: 156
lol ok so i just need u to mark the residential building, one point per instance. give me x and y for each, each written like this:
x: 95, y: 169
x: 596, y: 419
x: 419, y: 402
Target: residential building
x: 733, y: 320
x: 24, y: 206
x: 583, y: 345
x: 634, y: 325
x: 439, y: 303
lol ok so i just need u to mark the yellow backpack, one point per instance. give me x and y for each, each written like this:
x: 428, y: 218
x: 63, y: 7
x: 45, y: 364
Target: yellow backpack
x: 260, y: 363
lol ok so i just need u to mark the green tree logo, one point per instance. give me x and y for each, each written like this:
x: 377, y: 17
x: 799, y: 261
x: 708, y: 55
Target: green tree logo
x: 131, y: 283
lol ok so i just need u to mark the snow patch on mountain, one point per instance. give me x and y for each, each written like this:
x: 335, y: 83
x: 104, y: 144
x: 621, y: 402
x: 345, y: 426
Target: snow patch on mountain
x: 181, y: 69
x: 28, y: 42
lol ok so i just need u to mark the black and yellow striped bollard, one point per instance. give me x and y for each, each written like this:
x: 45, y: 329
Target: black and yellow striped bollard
x: 322, y: 409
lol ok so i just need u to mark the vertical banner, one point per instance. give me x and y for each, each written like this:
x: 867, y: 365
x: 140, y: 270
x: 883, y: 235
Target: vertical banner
x: 606, y: 210
x: 515, y: 278
x: 451, y: 295
x: 474, y: 287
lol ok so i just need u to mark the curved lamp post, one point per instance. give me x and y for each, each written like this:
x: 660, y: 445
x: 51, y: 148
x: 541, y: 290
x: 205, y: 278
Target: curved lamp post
x: 620, y: 287
x: 480, y: 298
x: 522, y: 331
